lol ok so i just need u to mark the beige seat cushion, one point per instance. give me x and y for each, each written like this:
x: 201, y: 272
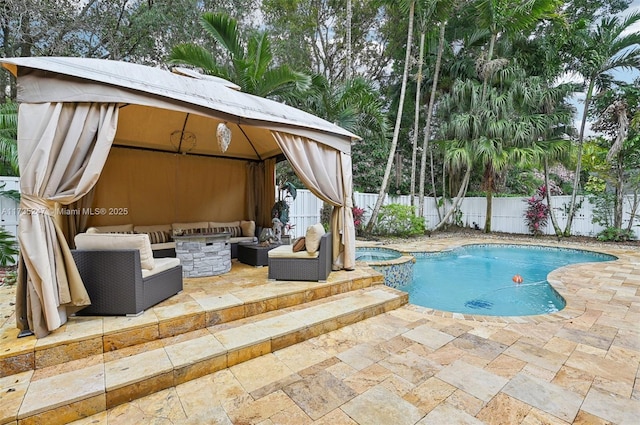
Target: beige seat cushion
x: 286, y: 251
x: 312, y: 237
x: 162, y: 264
x: 115, y: 241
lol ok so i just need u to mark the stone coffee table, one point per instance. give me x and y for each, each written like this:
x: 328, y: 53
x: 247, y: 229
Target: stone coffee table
x: 204, y: 254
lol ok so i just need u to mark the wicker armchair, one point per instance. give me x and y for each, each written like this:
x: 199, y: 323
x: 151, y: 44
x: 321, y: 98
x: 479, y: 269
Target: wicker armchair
x: 297, y: 268
x: 115, y: 283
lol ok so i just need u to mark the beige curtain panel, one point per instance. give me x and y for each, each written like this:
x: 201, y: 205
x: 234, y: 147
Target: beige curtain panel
x: 327, y: 173
x: 61, y: 153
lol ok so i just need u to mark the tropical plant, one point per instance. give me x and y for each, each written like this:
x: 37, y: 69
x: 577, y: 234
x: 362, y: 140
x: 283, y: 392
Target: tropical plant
x: 8, y: 248
x: 280, y: 210
x: 249, y: 63
x: 354, y: 105
x: 8, y: 139
x: 537, y: 212
x: 398, y: 220
x: 615, y: 234
x: 608, y: 47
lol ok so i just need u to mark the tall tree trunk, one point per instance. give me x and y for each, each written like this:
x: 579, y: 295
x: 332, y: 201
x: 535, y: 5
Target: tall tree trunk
x: 349, y: 64
x: 459, y: 197
x: 489, y: 184
x: 416, y: 124
x: 427, y: 127
x: 396, y: 130
x: 487, y: 220
x: 634, y: 210
x: 433, y: 185
x: 552, y: 214
x: 619, y: 205
x: 576, y: 178
x: 485, y: 77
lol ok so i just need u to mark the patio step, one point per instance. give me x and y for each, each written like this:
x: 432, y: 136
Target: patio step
x: 83, y: 337
x: 71, y: 391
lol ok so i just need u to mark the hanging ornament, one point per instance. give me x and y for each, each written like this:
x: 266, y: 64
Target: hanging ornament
x: 223, y: 133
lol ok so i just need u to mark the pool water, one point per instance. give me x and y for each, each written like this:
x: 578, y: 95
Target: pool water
x: 373, y: 254
x: 479, y: 279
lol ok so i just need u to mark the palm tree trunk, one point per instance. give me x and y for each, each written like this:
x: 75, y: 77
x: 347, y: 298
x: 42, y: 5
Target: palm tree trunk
x: 349, y: 55
x: 617, y: 217
x: 427, y: 127
x: 433, y: 185
x: 456, y: 203
x: 552, y: 214
x: 416, y: 123
x: 396, y: 130
x: 487, y: 220
x: 576, y: 178
x: 634, y: 210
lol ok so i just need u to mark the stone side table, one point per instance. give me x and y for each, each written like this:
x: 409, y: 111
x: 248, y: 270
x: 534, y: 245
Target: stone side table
x: 204, y: 254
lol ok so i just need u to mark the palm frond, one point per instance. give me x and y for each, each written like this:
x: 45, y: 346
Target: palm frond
x: 224, y: 30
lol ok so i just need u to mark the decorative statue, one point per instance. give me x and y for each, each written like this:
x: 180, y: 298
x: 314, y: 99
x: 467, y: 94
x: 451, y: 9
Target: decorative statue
x: 277, y: 229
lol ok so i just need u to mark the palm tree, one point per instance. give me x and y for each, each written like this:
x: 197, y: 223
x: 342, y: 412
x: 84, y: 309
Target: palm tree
x: 354, y: 105
x: 440, y: 10
x: 509, y: 17
x: 410, y: 6
x: 502, y: 127
x: 247, y: 63
x: 610, y: 46
x: 8, y: 139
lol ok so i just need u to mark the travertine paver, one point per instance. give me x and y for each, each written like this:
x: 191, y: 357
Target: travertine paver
x: 416, y: 365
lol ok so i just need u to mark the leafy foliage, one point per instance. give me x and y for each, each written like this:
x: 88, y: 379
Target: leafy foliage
x: 537, y: 212
x: 8, y: 139
x: 613, y: 234
x: 248, y: 63
x: 8, y: 248
x: 398, y: 220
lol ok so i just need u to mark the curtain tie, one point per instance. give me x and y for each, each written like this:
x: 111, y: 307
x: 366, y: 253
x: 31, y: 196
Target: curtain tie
x: 35, y: 205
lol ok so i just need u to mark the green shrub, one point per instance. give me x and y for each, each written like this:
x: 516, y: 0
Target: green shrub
x: 398, y: 220
x: 8, y: 248
x: 613, y: 234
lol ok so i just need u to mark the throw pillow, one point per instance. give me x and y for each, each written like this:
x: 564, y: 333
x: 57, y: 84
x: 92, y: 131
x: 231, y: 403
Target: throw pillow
x: 248, y: 228
x: 299, y: 244
x: 312, y: 237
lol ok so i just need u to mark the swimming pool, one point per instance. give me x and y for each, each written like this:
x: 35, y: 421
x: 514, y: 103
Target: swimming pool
x: 479, y: 279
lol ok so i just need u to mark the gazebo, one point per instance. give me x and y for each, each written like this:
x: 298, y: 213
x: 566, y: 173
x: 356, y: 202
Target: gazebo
x: 99, y: 138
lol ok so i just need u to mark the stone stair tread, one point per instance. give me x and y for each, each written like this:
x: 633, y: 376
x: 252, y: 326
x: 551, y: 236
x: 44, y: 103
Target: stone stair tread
x: 168, y: 365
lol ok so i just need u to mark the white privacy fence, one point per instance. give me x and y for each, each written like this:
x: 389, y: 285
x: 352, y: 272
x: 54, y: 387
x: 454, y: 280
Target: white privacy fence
x: 508, y: 213
x: 507, y: 216
x: 9, y: 207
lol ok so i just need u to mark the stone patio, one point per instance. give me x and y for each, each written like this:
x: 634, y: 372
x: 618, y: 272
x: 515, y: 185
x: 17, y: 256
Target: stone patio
x: 414, y: 365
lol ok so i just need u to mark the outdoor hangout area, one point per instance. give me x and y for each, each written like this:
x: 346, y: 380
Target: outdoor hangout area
x: 349, y: 350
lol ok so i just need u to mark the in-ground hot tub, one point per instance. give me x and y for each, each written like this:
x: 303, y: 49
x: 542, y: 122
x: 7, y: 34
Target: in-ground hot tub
x: 396, y: 267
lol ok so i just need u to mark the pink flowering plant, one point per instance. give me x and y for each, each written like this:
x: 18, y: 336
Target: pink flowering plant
x: 358, y: 218
x: 537, y: 212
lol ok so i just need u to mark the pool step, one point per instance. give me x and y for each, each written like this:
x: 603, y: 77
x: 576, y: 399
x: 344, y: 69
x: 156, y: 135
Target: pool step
x: 71, y: 391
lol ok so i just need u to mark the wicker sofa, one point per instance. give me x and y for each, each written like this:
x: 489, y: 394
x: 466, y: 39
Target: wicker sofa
x: 121, y: 276
x: 161, y: 235
x: 284, y: 264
